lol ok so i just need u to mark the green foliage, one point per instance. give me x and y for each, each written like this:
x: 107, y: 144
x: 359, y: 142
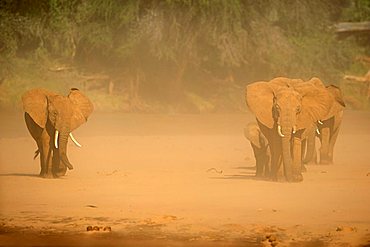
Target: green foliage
x: 179, y: 49
x: 24, y: 74
x: 358, y: 10
x: 13, y: 26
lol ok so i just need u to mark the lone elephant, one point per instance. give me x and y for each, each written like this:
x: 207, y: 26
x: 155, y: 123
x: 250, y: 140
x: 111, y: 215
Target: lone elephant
x: 284, y: 109
x: 260, y: 148
x: 50, y: 119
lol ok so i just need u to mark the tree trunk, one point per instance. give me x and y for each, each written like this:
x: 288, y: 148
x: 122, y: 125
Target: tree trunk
x: 136, y: 102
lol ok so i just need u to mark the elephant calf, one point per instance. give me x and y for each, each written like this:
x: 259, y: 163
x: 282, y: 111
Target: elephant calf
x: 50, y: 119
x: 260, y: 148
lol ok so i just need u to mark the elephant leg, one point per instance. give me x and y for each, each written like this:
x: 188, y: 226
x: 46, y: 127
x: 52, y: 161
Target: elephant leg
x: 280, y: 172
x: 333, y: 139
x: 324, y: 149
x: 304, y: 147
x: 259, y: 160
x: 275, y: 161
x: 274, y: 166
x: 46, y: 155
x: 59, y: 169
x: 267, y: 162
x: 263, y: 164
x: 315, y: 157
x: 36, y: 133
x: 303, y: 151
x: 62, y: 171
x: 55, y: 161
x: 310, y: 148
x: 42, y: 159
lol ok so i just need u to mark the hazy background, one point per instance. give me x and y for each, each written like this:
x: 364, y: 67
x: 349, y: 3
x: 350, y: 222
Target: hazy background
x: 176, y: 55
x: 179, y: 179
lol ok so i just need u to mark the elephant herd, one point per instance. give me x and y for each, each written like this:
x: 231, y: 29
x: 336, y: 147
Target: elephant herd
x: 289, y: 113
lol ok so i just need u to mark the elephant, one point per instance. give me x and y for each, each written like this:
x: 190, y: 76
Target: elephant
x: 328, y: 128
x: 50, y: 119
x: 260, y: 148
x: 284, y: 109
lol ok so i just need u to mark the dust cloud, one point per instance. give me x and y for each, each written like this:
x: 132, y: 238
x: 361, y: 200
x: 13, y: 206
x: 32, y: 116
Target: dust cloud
x: 180, y: 179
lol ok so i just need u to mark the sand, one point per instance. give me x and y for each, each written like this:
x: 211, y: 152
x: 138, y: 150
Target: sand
x: 175, y: 180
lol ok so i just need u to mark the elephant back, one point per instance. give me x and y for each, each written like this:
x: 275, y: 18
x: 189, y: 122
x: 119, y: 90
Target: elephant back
x: 35, y: 103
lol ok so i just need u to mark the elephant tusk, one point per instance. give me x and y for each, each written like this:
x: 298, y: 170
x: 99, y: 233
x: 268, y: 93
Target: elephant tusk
x: 294, y: 129
x: 279, y: 131
x: 319, y: 121
x: 74, y: 140
x: 56, y: 139
x: 318, y: 131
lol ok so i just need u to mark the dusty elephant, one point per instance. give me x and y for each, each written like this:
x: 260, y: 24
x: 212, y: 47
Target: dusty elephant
x: 284, y: 109
x: 328, y: 128
x: 50, y: 119
x: 260, y: 148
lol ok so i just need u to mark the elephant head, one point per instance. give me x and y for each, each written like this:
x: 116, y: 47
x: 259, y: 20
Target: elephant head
x: 254, y: 135
x: 63, y: 113
x: 287, y: 106
x: 293, y: 107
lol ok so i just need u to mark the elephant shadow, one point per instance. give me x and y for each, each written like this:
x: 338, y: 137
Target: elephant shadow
x: 242, y: 172
x: 20, y: 175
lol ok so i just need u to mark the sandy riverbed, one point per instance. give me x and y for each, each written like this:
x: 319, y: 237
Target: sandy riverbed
x: 150, y: 178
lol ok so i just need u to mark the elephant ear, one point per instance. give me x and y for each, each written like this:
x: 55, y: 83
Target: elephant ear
x: 316, y: 103
x: 82, y: 108
x: 35, y: 103
x: 338, y: 102
x: 259, y: 97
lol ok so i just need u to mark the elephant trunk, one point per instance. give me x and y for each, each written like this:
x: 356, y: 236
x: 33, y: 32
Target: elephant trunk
x: 63, y: 140
x: 286, y: 127
x: 287, y: 156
